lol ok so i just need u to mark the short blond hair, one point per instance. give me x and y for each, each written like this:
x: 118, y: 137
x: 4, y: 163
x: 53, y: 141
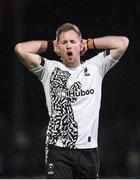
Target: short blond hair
x: 67, y: 27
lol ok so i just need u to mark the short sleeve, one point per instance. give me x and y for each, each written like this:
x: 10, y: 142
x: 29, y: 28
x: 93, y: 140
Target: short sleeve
x: 103, y: 62
x: 43, y: 71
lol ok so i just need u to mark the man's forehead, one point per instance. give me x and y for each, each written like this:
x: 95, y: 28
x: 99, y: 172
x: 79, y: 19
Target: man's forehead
x: 69, y: 35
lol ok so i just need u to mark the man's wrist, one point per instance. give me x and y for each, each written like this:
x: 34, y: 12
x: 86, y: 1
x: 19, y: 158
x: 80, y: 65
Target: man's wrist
x: 50, y: 46
x: 91, y: 44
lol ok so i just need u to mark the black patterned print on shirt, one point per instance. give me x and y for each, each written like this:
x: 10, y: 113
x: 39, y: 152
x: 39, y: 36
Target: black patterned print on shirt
x: 62, y: 125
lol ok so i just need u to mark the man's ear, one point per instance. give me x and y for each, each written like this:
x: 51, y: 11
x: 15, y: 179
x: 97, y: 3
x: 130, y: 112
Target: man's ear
x: 56, y: 48
x: 83, y: 48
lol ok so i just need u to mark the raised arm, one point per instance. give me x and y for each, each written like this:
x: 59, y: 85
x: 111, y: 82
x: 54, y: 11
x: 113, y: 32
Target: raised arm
x: 28, y: 52
x: 117, y: 45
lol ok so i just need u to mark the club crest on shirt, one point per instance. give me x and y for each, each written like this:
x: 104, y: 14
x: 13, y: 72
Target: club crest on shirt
x: 86, y: 71
x: 50, y: 168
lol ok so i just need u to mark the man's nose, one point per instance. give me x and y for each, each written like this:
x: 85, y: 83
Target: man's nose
x: 68, y: 45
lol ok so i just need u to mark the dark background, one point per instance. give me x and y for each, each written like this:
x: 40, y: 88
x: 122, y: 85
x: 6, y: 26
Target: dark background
x: 23, y: 114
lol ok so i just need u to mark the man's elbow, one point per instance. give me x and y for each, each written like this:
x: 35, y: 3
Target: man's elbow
x: 18, y: 49
x: 122, y: 45
x: 124, y: 42
x: 20, y: 52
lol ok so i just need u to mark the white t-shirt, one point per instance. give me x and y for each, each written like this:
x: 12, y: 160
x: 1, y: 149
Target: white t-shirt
x: 73, y: 97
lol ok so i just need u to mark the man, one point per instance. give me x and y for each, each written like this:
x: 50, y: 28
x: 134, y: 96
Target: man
x: 73, y: 95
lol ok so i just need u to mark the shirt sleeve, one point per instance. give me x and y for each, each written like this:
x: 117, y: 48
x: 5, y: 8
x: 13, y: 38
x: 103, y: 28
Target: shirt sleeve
x: 104, y: 62
x: 42, y: 71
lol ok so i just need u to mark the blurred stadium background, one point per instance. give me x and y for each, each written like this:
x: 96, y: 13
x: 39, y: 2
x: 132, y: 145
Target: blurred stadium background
x: 23, y: 114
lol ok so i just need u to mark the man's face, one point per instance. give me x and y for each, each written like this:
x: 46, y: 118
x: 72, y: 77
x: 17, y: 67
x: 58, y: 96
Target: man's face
x: 69, y: 47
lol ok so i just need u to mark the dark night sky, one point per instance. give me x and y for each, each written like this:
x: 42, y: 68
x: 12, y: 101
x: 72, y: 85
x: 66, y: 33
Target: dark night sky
x: 22, y: 20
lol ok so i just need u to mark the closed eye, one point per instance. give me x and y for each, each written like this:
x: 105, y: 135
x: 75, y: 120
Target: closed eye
x: 64, y: 42
x: 73, y: 41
